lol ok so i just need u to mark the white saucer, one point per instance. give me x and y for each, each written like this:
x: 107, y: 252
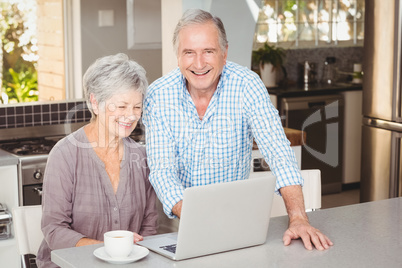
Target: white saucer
x: 137, y: 253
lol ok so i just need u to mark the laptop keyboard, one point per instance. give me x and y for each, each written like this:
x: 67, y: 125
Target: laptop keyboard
x: 170, y: 248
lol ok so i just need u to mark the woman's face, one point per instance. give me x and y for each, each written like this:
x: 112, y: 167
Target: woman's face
x: 118, y: 116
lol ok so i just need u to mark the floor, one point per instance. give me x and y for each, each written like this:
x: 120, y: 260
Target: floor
x: 348, y: 197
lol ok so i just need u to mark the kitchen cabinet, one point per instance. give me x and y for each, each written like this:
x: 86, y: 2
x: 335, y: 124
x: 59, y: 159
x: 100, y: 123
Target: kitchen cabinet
x: 352, y: 133
x: 321, y: 117
x: 350, y: 116
x: 144, y: 24
x: 8, y: 253
x: 9, y: 186
x: 296, y: 137
x: 9, y: 196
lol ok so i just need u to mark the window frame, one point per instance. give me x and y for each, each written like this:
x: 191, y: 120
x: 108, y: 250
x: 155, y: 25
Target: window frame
x: 297, y: 43
x: 72, y: 45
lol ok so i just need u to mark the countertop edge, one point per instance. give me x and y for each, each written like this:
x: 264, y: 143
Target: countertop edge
x: 7, y: 159
x: 313, y: 91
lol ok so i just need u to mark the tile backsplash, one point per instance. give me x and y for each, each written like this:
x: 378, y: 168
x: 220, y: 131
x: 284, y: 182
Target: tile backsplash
x: 41, y: 114
x: 294, y: 60
x: 345, y: 58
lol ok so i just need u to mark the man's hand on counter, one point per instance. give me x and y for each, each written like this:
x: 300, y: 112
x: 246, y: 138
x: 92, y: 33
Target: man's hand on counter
x: 299, y: 226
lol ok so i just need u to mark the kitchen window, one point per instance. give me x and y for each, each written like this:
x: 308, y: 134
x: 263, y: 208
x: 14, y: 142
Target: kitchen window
x: 310, y: 23
x: 43, y: 48
x: 59, y: 65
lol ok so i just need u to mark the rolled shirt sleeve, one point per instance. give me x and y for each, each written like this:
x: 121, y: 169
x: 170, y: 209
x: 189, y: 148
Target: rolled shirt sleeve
x: 270, y: 136
x: 162, y: 158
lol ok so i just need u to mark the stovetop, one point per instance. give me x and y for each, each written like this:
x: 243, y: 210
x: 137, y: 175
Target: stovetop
x: 36, y: 146
x: 36, y: 142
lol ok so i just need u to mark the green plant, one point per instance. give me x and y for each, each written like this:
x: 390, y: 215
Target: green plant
x: 22, y: 87
x: 269, y: 54
x: 18, y: 51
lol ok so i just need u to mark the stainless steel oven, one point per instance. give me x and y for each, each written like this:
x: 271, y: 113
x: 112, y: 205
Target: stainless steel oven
x: 31, y: 146
x: 32, y: 157
x: 31, y: 172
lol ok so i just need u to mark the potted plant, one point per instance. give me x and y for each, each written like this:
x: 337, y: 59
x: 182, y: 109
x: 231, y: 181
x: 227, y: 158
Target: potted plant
x: 269, y: 59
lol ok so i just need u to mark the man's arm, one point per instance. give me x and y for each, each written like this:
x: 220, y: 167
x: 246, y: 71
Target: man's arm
x: 299, y: 226
x: 176, y: 210
x: 161, y: 154
x: 273, y: 144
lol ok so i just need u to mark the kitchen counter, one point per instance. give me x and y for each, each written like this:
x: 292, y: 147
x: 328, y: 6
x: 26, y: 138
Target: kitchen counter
x: 9, y: 197
x: 9, y: 254
x: 313, y: 89
x: 7, y: 159
x: 296, y: 137
x: 297, y: 107
x: 364, y: 235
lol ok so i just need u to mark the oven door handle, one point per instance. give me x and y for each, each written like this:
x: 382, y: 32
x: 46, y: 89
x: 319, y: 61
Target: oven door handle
x: 38, y: 190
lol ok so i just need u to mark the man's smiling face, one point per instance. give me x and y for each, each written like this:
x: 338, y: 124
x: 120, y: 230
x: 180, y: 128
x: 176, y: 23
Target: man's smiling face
x: 200, y: 57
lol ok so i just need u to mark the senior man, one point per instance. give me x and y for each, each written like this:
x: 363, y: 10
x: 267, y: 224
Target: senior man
x: 201, y: 119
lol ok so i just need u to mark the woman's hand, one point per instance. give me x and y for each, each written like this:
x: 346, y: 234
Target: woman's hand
x: 137, y: 238
x: 87, y: 241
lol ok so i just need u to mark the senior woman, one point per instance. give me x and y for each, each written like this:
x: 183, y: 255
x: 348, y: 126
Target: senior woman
x: 96, y: 179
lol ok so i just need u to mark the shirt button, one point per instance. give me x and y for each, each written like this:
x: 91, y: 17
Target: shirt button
x: 116, y: 222
x: 115, y: 208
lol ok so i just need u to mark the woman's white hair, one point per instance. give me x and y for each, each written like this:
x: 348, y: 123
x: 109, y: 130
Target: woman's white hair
x: 112, y: 75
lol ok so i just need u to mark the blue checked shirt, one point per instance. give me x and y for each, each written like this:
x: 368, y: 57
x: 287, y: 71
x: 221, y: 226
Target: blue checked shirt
x: 184, y: 151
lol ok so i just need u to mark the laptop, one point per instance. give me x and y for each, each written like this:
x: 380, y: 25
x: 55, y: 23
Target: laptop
x: 217, y: 218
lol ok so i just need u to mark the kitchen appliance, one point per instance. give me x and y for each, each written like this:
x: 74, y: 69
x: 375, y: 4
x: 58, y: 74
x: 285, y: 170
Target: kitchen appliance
x: 321, y: 118
x: 309, y: 73
x: 357, y: 73
x: 32, y: 156
x: 381, y: 172
x: 328, y: 73
x: 31, y: 145
x: 5, y: 222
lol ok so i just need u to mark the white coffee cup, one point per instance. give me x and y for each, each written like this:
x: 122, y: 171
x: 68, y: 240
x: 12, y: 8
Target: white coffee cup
x: 118, y: 244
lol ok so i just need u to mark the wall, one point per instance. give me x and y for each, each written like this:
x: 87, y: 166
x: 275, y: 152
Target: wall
x: 51, y: 79
x: 37, y: 114
x: 240, y: 33
x: 238, y: 16
x: 171, y: 12
x: 98, y: 41
x: 345, y: 58
x: 101, y: 41
x: 42, y: 114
